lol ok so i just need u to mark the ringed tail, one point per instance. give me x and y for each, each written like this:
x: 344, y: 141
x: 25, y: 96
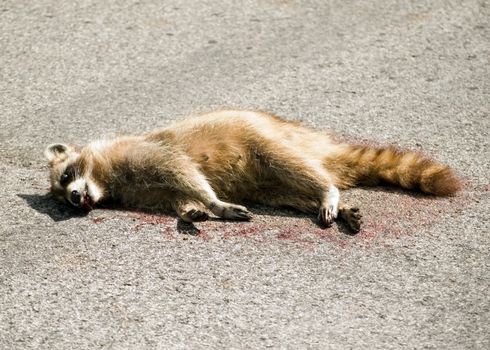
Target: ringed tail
x: 371, y: 165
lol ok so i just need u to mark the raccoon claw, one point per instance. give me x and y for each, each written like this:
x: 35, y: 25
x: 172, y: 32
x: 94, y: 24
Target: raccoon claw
x: 238, y: 213
x: 230, y: 211
x: 327, y: 215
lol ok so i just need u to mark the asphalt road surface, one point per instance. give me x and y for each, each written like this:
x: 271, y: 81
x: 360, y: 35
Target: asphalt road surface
x: 415, y: 74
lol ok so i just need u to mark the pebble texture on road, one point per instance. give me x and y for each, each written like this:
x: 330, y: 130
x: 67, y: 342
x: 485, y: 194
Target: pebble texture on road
x: 415, y: 74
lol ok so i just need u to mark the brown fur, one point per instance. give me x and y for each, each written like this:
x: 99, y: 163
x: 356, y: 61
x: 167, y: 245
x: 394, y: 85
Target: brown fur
x: 195, y: 165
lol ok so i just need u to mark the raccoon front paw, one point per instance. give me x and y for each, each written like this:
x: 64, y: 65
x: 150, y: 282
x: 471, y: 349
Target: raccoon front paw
x: 352, y: 218
x: 230, y: 211
x: 237, y: 212
x: 327, y: 215
x: 194, y: 215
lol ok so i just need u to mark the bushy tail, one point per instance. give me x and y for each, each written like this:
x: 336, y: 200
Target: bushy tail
x: 368, y: 165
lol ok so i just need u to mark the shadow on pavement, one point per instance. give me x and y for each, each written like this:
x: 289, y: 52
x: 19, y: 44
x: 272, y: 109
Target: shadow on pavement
x: 414, y: 193
x: 187, y: 228
x: 45, y: 204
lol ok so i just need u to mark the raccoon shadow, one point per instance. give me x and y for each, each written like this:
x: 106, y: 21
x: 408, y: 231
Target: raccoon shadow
x: 187, y: 228
x: 414, y: 193
x: 47, y: 205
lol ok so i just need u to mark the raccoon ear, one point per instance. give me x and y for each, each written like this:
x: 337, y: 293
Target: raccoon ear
x: 55, y: 151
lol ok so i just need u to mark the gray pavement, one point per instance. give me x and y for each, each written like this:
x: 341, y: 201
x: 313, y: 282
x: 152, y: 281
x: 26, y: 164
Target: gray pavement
x: 411, y: 73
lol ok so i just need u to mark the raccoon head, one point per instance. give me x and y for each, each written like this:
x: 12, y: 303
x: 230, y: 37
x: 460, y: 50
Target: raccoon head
x: 70, y: 177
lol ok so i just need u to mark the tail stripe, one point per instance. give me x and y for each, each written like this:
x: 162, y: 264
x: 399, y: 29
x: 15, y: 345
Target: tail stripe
x: 408, y: 169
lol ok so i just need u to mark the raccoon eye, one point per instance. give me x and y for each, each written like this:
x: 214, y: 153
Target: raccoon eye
x: 64, y: 179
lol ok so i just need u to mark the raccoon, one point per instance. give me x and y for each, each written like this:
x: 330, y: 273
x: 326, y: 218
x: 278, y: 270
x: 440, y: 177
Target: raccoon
x: 206, y: 164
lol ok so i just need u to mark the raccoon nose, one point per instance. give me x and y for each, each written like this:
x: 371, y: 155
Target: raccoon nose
x: 75, y: 197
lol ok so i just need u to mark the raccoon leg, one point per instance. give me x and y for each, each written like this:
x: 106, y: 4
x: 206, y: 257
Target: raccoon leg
x: 199, y: 188
x: 190, y: 211
x: 329, y: 207
x: 303, y: 176
x: 175, y: 171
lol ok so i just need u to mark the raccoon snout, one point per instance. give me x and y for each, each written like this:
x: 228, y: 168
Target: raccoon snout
x: 75, y: 197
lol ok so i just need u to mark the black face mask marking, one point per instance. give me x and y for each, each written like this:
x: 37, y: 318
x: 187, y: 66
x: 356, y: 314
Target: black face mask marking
x: 65, y: 178
x: 68, y: 176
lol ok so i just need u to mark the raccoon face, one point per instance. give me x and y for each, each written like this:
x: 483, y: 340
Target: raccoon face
x: 70, y: 178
